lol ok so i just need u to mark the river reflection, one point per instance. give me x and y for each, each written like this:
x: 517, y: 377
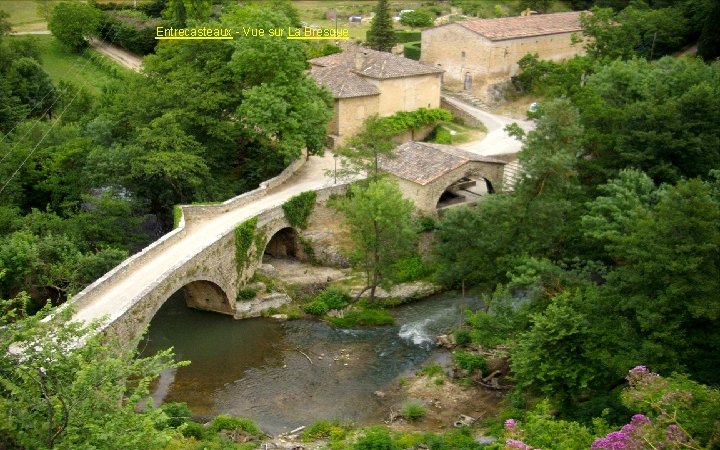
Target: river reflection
x: 287, y: 374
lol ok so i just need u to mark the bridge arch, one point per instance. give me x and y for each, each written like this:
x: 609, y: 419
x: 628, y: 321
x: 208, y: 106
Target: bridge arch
x: 208, y: 296
x: 465, y: 190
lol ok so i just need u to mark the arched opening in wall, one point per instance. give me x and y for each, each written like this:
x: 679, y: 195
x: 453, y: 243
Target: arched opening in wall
x: 285, y: 244
x: 465, y: 191
x: 206, y: 295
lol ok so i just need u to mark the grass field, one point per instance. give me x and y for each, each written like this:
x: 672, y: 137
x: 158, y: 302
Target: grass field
x: 24, y: 14
x: 61, y: 64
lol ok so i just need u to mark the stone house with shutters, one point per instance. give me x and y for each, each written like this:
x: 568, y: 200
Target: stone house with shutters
x: 364, y: 82
x: 477, y: 54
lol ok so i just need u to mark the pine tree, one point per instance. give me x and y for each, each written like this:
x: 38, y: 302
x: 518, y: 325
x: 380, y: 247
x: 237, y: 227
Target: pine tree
x: 381, y: 36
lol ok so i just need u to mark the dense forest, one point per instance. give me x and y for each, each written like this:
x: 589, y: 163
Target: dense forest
x: 600, y: 270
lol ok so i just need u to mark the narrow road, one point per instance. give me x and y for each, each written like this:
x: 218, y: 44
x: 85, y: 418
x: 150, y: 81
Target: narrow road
x: 122, y: 56
x: 497, y: 141
x: 120, y: 295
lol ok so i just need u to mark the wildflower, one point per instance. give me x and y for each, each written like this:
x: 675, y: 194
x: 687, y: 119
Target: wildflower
x: 510, y: 423
x: 514, y: 443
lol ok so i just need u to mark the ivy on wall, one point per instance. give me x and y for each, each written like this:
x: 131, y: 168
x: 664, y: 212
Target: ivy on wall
x: 244, y: 234
x: 298, y: 208
x: 413, y: 120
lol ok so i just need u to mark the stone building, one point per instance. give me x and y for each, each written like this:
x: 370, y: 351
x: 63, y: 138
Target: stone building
x: 477, y: 54
x: 366, y: 82
x: 436, y: 176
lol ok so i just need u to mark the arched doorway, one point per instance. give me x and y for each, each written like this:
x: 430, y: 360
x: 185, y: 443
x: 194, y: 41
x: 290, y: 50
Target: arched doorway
x: 464, y: 191
x: 206, y: 295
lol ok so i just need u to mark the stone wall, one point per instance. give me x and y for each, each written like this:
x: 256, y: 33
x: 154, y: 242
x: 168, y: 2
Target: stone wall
x: 408, y: 93
x: 352, y: 112
x: 467, y: 118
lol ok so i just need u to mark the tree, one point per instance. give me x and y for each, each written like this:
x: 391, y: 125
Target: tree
x: 709, y: 42
x: 4, y: 24
x: 71, y: 23
x: 363, y: 152
x: 32, y: 86
x: 381, y: 36
x: 56, y: 394
x: 380, y: 227
x: 541, y: 6
x: 417, y: 18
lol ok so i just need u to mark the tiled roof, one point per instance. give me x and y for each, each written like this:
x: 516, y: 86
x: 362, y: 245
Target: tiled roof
x: 342, y: 83
x: 422, y: 162
x: 519, y: 27
x: 375, y: 64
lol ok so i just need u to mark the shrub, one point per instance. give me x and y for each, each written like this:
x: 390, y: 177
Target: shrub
x: 246, y: 294
x: 226, y: 422
x: 407, y: 36
x: 178, y: 413
x: 410, y: 269
x: 427, y: 223
x: 376, y: 438
x: 411, y: 50
x: 334, y: 298
x: 441, y: 135
x: 413, y: 411
x: 193, y: 429
x: 469, y: 361
x: 462, y: 337
x: 177, y: 216
x: 244, y: 234
x: 323, y: 429
x: 316, y: 308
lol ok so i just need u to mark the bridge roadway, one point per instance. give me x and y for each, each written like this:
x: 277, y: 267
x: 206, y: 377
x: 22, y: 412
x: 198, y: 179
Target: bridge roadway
x: 118, y: 294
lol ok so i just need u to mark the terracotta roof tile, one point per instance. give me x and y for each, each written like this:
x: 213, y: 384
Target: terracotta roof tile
x: 422, y: 162
x: 519, y: 27
x: 343, y: 83
x: 375, y: 64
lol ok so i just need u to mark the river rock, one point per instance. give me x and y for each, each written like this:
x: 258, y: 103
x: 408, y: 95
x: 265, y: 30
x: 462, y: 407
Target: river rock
x: 485, y: 440
x: 410, y: 290
x: 379, y: 394
x: 279, y: 316
x: 257, y: 286
x: 464, y: 421
x: 446, y: 341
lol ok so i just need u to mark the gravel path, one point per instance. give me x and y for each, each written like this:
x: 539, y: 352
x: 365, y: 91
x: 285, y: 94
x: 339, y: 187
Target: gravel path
x: 122, y: 56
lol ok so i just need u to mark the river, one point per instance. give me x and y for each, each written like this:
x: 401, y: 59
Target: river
x: 287, y: 374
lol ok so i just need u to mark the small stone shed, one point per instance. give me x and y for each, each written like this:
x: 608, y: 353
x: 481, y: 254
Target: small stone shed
x: 436, y: 176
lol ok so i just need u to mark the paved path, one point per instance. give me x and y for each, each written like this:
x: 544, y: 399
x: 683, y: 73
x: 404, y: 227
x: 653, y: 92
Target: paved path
x: 497, y: 141
x: 122, y: 56
x: 25, y: 33
x: 200, y: 234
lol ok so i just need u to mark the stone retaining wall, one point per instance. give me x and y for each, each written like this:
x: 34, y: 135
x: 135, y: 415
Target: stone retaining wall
x: 466, y: 117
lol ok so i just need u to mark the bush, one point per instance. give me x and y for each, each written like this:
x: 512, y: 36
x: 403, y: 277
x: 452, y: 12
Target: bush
x: 427, y: 223
x: 323, y: 429
x: 226, y: 422
x: 316, y: 308
x: 410, y: 269
x: 334, y: 298
x: 407, y: 36
x: 462, y: 337
x: 440, y: 135
x: 413, y: 411
x: 411, y: 50
x: 470, y: 361
x: 131, y: 30
x: 298, y: 208
x: 376, y: 438
x: 178, y: 413
x: 246, y: 294
x: 193, y: 429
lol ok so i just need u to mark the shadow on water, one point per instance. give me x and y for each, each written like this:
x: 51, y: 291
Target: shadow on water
x: 258, y: 368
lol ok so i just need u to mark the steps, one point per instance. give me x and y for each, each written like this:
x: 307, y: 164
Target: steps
x: 467, y: 98
x: 511, y: 174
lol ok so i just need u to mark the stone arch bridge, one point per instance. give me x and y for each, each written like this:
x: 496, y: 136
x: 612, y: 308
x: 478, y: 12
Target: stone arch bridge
x: 203, y: 256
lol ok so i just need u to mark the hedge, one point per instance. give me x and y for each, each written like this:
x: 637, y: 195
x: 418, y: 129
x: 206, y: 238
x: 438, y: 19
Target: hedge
x: 130, y: 30
x: 407, y: 36
x: 412, y: 50
x: 413, y: 120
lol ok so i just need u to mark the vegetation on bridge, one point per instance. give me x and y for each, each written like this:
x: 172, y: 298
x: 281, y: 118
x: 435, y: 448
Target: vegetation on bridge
x: 244, y: 239
x: 298, y: 208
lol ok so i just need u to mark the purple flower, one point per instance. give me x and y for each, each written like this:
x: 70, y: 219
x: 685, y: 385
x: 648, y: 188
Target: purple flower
x: 639, y: 419
x: 514, y: 443
x: 510, y: 423
x: 673, y: 433
x: 639, y: 370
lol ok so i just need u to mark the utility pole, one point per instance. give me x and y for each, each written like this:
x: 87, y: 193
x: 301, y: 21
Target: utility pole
x: 652, y: 49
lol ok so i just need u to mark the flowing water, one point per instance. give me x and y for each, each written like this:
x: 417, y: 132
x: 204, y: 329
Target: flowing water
x: 286, y: 374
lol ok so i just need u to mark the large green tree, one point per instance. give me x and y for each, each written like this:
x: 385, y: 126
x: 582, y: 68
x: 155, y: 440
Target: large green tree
x: 72, y: 23
x: 381, y: 36
x: 380, y: 224
x: 55, y: 393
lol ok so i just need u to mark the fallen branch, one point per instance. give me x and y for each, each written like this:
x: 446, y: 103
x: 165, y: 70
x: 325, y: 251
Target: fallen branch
x: 305, y: 355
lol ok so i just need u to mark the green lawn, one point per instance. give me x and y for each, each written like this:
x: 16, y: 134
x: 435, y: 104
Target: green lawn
x: 61, y: 64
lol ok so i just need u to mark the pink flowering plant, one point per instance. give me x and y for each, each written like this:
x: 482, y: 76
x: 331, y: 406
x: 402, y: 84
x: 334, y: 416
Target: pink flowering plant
x: 681, y: 414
